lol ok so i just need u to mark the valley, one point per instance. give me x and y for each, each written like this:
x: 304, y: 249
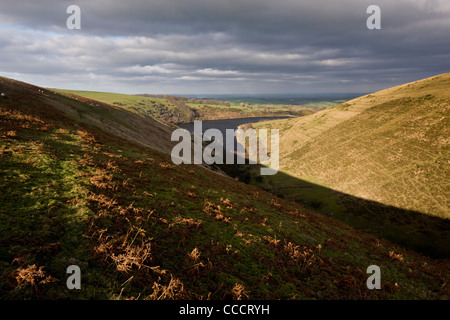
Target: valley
x: 91, y: 183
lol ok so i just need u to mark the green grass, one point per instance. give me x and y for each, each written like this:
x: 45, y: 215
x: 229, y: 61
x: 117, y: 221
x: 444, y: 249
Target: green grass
x: 111, y: 98
x: 160, y: 108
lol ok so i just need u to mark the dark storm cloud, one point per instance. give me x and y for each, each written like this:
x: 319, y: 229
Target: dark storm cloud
x: 224, y: 46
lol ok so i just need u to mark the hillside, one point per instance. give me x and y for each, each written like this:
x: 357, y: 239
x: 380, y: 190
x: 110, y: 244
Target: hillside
x: 92, y: 185
x: 388, y: 148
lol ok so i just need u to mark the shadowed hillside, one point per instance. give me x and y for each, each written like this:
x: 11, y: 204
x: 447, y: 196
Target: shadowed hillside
x: 427, y: 234
x: 79, y: 185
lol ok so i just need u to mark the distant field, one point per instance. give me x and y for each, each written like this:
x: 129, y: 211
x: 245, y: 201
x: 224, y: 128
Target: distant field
x: 285, y: 104
x: 318, y: 102
x: 292, y: 106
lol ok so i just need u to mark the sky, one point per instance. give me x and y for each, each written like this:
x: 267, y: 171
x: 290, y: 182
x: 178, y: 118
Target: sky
x: 224, y: 46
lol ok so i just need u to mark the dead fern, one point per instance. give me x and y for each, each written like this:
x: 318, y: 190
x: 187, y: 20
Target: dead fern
x: 174, y: 290
x: 239, y: 292
x: 33, y: 276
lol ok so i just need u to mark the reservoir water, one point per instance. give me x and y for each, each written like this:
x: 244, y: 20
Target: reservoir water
x: 223, y: 124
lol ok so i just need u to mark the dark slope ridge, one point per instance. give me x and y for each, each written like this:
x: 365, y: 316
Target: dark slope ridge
x: 75, y: 192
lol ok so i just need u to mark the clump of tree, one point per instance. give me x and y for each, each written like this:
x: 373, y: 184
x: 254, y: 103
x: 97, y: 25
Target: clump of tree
x: 187, y: 114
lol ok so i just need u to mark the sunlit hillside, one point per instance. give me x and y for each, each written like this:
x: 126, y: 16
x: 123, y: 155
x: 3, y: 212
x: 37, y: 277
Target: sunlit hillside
x: 390, y: 147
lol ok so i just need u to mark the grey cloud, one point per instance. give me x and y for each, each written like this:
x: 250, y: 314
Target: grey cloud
x: 196, y: 45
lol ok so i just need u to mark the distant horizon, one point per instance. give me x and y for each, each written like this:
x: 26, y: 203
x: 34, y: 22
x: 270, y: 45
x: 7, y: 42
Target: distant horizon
x: 235, y: 96
x: 263, y: 95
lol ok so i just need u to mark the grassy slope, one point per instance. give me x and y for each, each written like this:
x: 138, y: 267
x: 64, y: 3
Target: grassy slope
x: 75, y: 192
x: 389, y: 147
x: 155, y: 107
